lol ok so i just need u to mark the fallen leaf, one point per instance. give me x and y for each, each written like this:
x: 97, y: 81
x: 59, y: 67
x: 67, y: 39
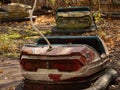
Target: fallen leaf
x: 1, y: 71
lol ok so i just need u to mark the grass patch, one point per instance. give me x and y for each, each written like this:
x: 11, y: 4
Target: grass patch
x: 12, y: 41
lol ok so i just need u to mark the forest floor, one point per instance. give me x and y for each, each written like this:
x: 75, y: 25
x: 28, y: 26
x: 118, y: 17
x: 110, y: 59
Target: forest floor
x: 13, y: 35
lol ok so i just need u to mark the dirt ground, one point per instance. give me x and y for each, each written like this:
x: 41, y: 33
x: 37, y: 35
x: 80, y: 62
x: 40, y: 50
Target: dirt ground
x: 10, y: 74
x: 108, y: 30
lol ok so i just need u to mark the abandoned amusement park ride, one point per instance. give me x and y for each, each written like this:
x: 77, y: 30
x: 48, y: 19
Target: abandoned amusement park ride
x: 74, y: 20
x: 67, y: 62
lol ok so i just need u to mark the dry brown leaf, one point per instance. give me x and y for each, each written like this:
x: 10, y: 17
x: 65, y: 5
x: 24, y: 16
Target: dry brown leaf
x: 45, y: 19
x: 1, y: 71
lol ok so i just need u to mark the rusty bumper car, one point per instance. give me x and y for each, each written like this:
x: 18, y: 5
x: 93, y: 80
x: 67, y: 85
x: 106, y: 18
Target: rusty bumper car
x: 72, y: 63
x: 14, y: 12
x: 74, y: 20
x: 110, y: 8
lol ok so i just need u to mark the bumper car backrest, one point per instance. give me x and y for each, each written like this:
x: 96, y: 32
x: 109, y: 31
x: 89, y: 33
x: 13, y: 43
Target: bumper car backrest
x: 93, y: 41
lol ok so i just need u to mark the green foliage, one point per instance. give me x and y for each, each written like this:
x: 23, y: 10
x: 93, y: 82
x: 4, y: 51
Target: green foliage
x: 12, y: 40
x: 52, y: 2
x: 7, y: 44
x: 97, y: 15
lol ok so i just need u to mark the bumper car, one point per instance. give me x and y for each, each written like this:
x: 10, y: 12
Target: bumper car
x: 74, y: 20
x: 14, y: 12
x: 72, y: 63
x: 110, y: 8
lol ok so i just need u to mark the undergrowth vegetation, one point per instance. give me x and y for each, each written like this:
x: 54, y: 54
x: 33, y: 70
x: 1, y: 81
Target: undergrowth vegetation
x: 12, y: 41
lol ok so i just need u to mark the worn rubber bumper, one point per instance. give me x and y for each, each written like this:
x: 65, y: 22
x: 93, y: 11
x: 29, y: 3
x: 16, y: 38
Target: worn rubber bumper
x: 101, y: 79
x: 56, y: 30
x: 105, y: 77
x: 113, y: 15
x: 18, y: 19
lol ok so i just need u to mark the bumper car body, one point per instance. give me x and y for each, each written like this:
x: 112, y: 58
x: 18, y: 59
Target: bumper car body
x: 73, y: 59
x: 74, y: 20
